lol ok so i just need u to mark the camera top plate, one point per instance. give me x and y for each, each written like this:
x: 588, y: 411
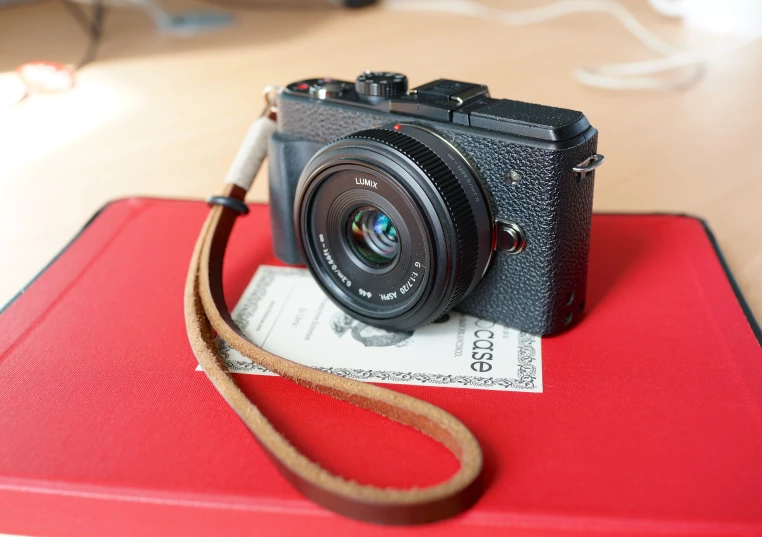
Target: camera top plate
x: 449, y: 101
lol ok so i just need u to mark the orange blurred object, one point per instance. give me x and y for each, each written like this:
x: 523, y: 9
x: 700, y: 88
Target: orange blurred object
x: 46, y: 77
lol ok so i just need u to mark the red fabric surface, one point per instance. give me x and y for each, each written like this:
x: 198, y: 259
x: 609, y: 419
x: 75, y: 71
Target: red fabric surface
x: 650, y: 421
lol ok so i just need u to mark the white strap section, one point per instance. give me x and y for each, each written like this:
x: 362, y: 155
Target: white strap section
x: 251, y: 154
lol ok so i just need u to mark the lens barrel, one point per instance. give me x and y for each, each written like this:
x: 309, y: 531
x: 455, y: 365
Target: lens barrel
x: 393, y: 224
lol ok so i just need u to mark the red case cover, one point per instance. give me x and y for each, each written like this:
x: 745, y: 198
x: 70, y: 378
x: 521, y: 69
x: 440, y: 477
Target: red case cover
x: 650, y: 421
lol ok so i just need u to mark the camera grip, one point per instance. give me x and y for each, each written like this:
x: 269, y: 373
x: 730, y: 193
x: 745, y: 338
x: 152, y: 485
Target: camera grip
x: 288, y: 156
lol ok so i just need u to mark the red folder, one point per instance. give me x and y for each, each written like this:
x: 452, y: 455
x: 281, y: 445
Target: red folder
x: 650, y: 422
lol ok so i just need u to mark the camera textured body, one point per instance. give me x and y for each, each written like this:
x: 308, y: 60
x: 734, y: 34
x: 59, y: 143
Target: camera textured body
x: 406, y: 204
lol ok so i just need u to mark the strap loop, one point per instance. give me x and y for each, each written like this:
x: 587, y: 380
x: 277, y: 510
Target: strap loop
x: 231, y: 203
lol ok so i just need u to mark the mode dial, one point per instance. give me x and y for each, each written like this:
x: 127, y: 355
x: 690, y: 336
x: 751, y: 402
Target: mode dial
x: 388, y: 85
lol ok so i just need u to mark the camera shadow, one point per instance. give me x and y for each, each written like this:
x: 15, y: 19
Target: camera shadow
x: 614, y: 249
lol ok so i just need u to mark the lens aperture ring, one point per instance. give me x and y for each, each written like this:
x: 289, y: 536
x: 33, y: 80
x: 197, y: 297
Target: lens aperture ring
x: 452, y: 194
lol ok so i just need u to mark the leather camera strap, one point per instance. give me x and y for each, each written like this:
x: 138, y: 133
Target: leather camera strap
x: 207, y: 315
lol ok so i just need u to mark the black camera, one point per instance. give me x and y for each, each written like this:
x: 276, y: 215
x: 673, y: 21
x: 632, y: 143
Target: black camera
x: 405, y: 204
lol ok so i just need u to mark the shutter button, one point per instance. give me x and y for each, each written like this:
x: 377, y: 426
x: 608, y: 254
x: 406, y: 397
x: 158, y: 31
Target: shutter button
x: 325, y: 88
x: 511, y: 239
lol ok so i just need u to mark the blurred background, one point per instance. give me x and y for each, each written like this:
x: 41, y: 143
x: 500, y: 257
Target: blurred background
x: 168, y: 89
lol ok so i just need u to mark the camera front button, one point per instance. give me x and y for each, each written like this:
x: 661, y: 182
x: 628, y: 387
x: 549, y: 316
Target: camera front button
x: 511, y: 238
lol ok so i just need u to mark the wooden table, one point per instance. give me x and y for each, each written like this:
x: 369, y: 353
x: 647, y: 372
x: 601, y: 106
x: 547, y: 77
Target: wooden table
x: 163, y: 116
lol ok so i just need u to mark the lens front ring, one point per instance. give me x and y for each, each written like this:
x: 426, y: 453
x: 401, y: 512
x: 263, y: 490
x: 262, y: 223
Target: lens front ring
x: 378, y: 293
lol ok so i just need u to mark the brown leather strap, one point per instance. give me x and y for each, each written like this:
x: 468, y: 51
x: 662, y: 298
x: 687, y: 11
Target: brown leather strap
x: 206, y: 312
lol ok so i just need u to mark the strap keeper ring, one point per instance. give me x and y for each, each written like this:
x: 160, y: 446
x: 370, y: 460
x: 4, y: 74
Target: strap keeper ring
x: 234, y: 204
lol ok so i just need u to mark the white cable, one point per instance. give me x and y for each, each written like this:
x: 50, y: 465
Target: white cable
x: 621, y: 76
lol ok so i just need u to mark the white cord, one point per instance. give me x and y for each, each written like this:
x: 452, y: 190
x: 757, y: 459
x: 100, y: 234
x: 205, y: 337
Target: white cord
x: 621, y: 76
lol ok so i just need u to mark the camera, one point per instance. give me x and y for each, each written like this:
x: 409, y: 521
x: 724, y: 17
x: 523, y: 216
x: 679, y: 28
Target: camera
x: 405, y: 204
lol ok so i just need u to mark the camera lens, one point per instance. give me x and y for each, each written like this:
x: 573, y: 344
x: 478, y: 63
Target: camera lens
x: 393, y: 224
x: 373, y: 237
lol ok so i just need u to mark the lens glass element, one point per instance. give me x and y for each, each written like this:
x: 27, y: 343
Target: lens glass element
x: 373, y: 237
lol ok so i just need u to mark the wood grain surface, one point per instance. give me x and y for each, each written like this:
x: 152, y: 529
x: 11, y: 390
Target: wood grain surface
x: 158, y: 115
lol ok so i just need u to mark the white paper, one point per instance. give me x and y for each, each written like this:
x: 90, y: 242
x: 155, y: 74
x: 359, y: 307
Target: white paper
x: 285, y: 312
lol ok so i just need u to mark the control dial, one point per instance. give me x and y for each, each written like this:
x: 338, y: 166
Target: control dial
x: 388, y: 85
